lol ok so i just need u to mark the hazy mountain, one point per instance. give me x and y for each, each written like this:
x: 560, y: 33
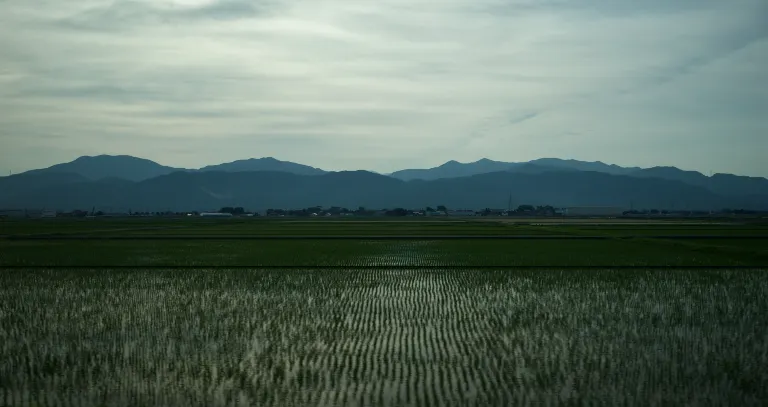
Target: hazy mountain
x: 454, y: 169
x: 110, y: 166
x: 729, y: 184
x: 569, y: 188
x: 182, y: 191
x: 129, y: 182
x: 26, y: 183
x: 673, y: 173
x: 265, y: 164
x: 529, y: 168
x: 723, y: 184
x: 597, y: 166
x: 139, y: 169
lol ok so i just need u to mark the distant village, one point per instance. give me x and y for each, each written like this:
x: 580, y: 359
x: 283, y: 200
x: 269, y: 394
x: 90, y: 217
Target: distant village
x: 335, y: 211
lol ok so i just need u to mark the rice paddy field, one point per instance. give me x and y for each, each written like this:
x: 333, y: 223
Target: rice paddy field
x: 382, y: 313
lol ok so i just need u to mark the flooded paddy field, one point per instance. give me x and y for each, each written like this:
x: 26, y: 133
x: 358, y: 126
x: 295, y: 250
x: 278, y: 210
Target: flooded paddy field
x: 382, y: 337
x: 380, y: 322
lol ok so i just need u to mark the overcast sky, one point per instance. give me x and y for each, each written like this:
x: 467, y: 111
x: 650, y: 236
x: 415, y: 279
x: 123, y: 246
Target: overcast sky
x: 386, y: 84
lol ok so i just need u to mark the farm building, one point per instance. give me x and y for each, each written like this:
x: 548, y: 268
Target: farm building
x: 593, y: 211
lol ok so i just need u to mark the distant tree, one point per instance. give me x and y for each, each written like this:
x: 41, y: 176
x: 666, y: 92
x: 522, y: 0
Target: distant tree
x: 442, y: 208
x: 525, y: 208
x: 430, y: 209
x: 397, y: 212
x: 100, y: 213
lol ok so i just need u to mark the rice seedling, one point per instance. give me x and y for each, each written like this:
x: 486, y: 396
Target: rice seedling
x: 399, y: 336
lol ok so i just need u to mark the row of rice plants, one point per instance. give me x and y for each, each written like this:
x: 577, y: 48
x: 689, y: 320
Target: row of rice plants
x: 428, y: 337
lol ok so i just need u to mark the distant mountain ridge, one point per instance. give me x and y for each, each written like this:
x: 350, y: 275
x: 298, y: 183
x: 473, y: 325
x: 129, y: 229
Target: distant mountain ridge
x: 124, y: 181
x: 138, y: 169
x: 725, y: 184
x: 260, y: 190
x: 110, y: 166
x: 453, y: 169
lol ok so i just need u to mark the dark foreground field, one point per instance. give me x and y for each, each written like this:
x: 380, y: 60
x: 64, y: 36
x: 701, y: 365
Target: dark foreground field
x: 356, y: 243
x: 372, y: 322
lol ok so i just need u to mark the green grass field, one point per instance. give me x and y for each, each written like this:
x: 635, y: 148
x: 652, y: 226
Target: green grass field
x: 381, y: 253
x: 231, y: 242
x: 220, y: 321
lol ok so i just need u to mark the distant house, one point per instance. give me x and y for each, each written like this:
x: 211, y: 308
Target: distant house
x: 48, y: 214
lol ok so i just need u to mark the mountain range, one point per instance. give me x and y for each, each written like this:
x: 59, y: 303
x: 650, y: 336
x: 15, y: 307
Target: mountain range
x: 125, y: 182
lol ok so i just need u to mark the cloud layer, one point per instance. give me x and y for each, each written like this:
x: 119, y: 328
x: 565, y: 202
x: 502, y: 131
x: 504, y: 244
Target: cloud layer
x: 386, y: 85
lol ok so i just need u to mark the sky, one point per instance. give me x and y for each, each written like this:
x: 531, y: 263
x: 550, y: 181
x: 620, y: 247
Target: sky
x: 388, y: 84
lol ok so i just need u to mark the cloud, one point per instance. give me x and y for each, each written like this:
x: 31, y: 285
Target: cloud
x: 340, y: 84
x: 131, y: 15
